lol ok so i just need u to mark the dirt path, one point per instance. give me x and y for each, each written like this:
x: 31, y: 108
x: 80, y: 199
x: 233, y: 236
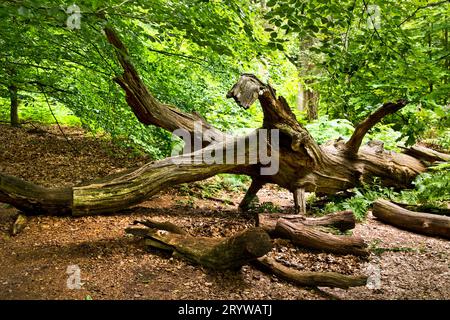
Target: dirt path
x: 112, y: 265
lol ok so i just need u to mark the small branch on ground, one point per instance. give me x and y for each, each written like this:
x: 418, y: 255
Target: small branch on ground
x: 307, y: 278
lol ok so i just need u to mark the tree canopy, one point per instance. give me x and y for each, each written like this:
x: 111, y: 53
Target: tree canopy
x: 189, y: 53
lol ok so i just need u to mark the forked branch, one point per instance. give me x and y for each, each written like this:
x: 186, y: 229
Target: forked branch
x: 352, y: 146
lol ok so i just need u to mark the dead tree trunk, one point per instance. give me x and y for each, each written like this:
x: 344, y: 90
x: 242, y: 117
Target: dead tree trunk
x: 426, y: 154
x: 214, y: 253
x: 303, y: 164
x: 425, y: 223
x: 14, y: 112
x: 245, y: 247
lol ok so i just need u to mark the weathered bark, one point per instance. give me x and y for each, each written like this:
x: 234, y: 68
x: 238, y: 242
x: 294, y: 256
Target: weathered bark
x: 300, y: 201
x: 214, y: 253
x: 354, y: 143
x: 424, y: 208
x: 426, y: 154
x: 151, y: 111
x: 309, y: 237
x: 425, y: 223
x: 342, y: 220
x: 14, y: 112
x: 303, y: 164
x: 310, y: 279
x: 245, y: 247
x: 33, y: 199
x: 324, y: 169
x: 250, y: 195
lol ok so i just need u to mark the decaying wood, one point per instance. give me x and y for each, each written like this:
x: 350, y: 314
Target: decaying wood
x: 32, y: 199
x: 215, y: 253
x: 310, y: 279
x: 250, y: 195
x: 309, y: 237
x: 246, y: 90
x: 354, y: 143
x: 300, y: 201
x: 426, y: 154
x: 424, y: 208
x: 420, y: 222
x: 151, y: 111
x: 249, y: 246
x: 342, y: 220
x: 303, y: 164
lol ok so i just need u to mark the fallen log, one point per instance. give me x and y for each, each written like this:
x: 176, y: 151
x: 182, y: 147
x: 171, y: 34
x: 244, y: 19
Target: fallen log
x: 422, y: 208
x: 309, y: 237
x: 215, y: 253
x: 420, y: 222
x: 308, y: 278
x: 250, y: 245
x: 342, y: 220
x: 426, y: 154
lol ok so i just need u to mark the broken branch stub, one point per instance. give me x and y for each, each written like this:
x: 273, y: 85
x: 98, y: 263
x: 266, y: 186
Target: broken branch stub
x: 246, y: 90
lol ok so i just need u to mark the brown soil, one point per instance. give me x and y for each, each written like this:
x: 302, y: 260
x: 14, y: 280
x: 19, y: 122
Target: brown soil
x: 113, y: 265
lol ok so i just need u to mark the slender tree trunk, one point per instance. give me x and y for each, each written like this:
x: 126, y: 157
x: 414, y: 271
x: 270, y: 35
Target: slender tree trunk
x: 301, y: 97
x: 312, y: 103
x: 430, y: 53
x: 307, y: 99
x: 447, y: 61
x: 14, y: 113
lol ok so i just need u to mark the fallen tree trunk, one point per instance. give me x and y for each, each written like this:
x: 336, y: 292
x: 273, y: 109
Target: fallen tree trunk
x: 420, y: 222
x: 342, y: 220
x: 309, y: 237
x: 301, y: 163
x: 308, y: 278
x: 214, y: 253
x: 249, y: 246
x: 426, y: 154
x: 422, y: 208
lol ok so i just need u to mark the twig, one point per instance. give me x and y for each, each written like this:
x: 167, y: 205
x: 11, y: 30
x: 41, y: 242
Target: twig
x: 57, y: 122
x: 430, y: 5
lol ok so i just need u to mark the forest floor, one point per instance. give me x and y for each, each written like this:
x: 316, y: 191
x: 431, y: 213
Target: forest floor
x: 114, y: 265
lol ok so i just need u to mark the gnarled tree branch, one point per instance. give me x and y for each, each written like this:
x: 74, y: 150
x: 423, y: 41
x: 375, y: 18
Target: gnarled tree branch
x: 151, y: 111
x: 354, y: 143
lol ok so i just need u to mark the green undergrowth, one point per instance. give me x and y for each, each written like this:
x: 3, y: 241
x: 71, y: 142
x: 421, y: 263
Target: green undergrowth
x: 431, y: 190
